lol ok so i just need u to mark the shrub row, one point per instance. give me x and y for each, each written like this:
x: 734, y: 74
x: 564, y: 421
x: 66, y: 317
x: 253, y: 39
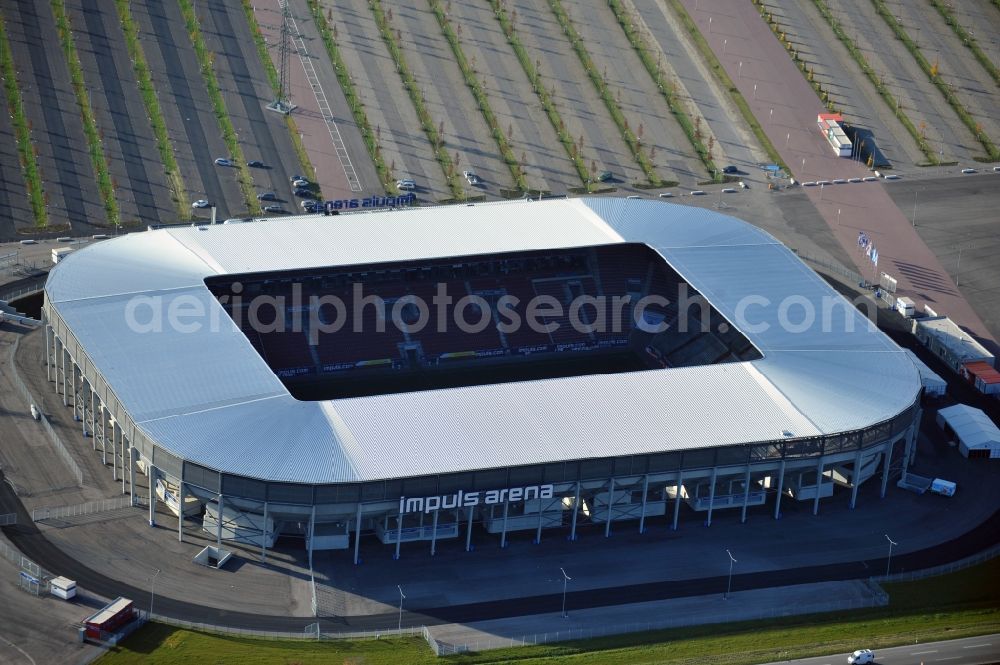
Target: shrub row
x: 967, y: 39
x: 351, y: 94
x: 949, y: 95
x: 666, y: 89
x: 634, y: 144
x: 94, y: 147
x: 272, y: 76
x: 22, y: 133
x: 419, y: 105
x: 482, y: 99
x: 507, y: 25
x: 720, y: 73
x: 205, y: 60
x: 149, y: 100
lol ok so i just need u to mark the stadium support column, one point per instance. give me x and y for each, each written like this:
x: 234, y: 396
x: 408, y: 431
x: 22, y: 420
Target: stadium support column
x: 538, y: 527
x: 399, y: 533
x: 104, y: 435
x: 576, y: 509
x: 468, y: 532
x: 611, y: 502
x: 746, y: 494
x: 677, y: 498
x: 855, y: 472
x: 312, y: 533
x: 819, y: 485
x: 151, y: 476
x: 781, y: 488
x: 263, y: 532
x: 93, y: 416
x: 503, y: 533
x: 83, y: 404
x: 218, y: 523
x: 711, y: 495
x: 180, y: 511
x: 131, y: 473
x: 434, y: 533
x: 72, y: 387
x: 885, y: 467
x: 357, y: 535
x: 114, y: 449
x: 123, y: 461
x: 62, y: 370
x: 642, y: 516
x: 48, y: 352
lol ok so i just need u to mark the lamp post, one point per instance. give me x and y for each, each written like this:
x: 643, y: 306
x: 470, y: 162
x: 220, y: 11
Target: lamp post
x: 399, y: 626
x: 566, y: 578
x: 889, y: 558
x: 729, y: 584
x: 838, y: 216
x: 739, y: 71
x: 958, y: 268
x: 724, y: 42
x: 152, y: 588
x: 914, y: 219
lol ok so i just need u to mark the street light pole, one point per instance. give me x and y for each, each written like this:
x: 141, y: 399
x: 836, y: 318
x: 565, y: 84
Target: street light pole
x: 152, y: 588
x: 399, y: 626
x: 889, y: 559
x: 729, y: 584
x: 914, y: 219
x: 566, y: 578
x: 958, y: 268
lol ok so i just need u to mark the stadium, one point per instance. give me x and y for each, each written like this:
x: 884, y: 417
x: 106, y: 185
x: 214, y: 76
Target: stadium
x: 467, y: 372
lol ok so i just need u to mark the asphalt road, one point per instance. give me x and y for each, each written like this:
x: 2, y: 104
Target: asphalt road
x: 187, y: 91
x: 73, y: 181
x: 226, y: 32
x: 129, y: 127
x: 13, y: 199
x: 968, y: 651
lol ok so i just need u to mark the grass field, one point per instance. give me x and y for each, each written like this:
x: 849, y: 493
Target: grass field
x: 947, y: 607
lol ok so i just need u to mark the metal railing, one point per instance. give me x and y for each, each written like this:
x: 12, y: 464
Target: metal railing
x: 945, y: 568
x: 56, y: 440
x: 22, y: 562
x: 311, y: 632
x: 836, y: 268
x: 88, y: 508
x: 10, y: 519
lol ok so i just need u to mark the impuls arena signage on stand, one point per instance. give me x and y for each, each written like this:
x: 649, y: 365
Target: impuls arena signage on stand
x: 462, y: 499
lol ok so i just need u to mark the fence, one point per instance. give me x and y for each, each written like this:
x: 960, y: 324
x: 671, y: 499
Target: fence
x: 88, y: 508
x: 878, y: 599
x: 835, y: 268
x: 25, y: 564
x: 10, y: 519
x: 974, y: 560
x: 310, y: 632
x: 57, y: 443
x: 21, y: 290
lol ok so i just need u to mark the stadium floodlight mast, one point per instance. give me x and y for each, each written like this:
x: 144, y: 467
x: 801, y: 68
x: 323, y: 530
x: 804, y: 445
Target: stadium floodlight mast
x: 566, y: 578
x: 889, y: 558
x: 402, y: 597
x: 729, y: 583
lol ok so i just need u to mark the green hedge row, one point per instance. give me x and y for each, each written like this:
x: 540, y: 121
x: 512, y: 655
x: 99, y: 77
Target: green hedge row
x: 175, y: 180
x: 720, y: 73
x: 205, y: 61
x: 351, y: 94
x: 883, y: 90
x: 419, y: 105
x: 94, y: 147
x: 273, y: 78
x: 507, y: 25
x: 614, y: 109
x: 956, y: 104
x: 967, y: 39
x: 482, y: 99
x: 654, y: 70
x: 22, y: 133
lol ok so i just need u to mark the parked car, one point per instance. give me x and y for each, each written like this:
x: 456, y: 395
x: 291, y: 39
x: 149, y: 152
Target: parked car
x: 730, y: 169
x: 406, y: 183
x: 302, y: 193
x: 605, y: 176
x: 200, y: 203
x: 224, y: 161
x: 861, y: 657
x: 471, y: 177
x: 267, y: 196
x: 294, y: 178
x: 310, y: 206
x: 301, y: 182
x: 273, y: 208
x: 255, y: 164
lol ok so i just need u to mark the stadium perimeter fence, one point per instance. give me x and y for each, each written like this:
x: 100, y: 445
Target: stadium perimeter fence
x: 77, y: 510
x: 61, y: 450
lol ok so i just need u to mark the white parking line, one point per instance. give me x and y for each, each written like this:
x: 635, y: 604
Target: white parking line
x: 949, y: 658
x: 919, y: 653
x: 976, y: 646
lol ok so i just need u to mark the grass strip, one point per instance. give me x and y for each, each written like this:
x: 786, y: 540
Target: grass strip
x: 741, y: 103
x: 417, y: 97
x: 548, y: 104
x: 175, y: 181
x: 22, y: 133
x: 94, y: 147
x: 652, y: 66
x: 967, y: 39
x: 272, y: 77
x: 960, y: 604
x: 935, y: 77
x: 353, y: 99
x: 482, y: 99
x: 634, y: 144
x: 205, y: 60
x: 883, y: 90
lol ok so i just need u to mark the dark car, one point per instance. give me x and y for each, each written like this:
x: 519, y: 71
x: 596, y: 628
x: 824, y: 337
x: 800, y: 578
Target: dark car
x: 267, y: 196
x: 303, y: 193
x: 605, y: 176
x: 255, y: 164
x: 274, y: 208
x: 294, y: 178
x: 730, y: 169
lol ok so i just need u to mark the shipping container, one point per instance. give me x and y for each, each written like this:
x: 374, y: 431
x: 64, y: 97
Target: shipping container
x: 113, y: 616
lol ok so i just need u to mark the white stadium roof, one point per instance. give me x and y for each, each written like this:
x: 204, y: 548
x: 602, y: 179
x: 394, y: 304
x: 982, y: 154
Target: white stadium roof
x: 208, y: 397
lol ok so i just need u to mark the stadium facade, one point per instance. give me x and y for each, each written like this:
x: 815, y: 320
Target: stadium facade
x: 785, y: 392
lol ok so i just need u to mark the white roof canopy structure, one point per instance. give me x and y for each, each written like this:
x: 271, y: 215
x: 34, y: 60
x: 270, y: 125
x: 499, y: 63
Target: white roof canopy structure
x: 205, y: 394
x: 974, y: 429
